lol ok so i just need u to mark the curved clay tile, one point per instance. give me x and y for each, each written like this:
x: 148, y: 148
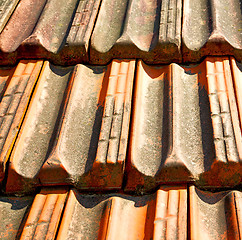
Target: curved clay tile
x: 211, y: 28
x: 81, y: 115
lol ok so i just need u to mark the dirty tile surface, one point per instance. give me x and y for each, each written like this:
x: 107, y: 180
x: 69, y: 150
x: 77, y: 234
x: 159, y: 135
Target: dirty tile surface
x: 37, y: 29
x: 16, y: 86
x: 6, y: 9
x: 73, y: 130
x: 150, y: 30
x: 156, y: 216
x: 171, y: 212
x: 128, y: 126
x: 215, y: 215
x: 211, y: 28
x: 76, y: 128
x: 13, y: 211
x: 186, y: 125
x: 95, y: 31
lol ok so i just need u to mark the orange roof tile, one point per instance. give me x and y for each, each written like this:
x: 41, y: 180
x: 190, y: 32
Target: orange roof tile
x: 172, y: 212
x: 185, y: 125
x: 90, y: 107
x: 17, y: 86
x: 96, y: 31
x: 168, y: 135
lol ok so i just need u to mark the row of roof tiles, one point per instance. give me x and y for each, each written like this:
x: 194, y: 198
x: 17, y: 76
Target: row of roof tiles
x: 76, y: 130
x: 95, y: 31
x: 170, y: 213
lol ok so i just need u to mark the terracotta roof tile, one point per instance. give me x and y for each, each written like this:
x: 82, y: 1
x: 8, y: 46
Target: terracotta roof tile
x: 81, y: 139
x: 172, y: 212
x: 21, y: 24
x: 161, y: 215
x: 44, y: 215
x: 90, y: 107
x: 137, y: 29
x: 38, y: 29
x: 157, y: 31
x: 211, y: 28
x: 185, y: 125
x: 16, y: 89
x: 173, y: 143
x: 12, y: 216
x: 215, y: 215
x: 6, y: 9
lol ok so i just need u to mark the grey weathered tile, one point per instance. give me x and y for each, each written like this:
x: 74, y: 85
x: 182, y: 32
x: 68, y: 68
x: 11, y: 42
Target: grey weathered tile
x: 211, y: 28
x: 89, y: 147
x: 77, y: 42
x: 137, y: 29
x: 40, y: 30
x: 17, y: 84
x: 116, y: 216
x: 52, y: 26
x: 12, y: 214
x: 166, y: 135
x: 215, y: 215
x: 185, y: 126
x: 21, y: 24
x: 32, y: 148
x: 6, y: 9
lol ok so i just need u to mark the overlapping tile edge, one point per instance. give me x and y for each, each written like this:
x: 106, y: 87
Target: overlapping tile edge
x: 198, y: 141
x: 16, y: 88
x: 91, y: 31
x: 39, y: 30
x: 206, y: 137
x: 205, y: 32
x: 178, y: 212
x: 171, y: 212
x: 148, y: 30
x: 73, y: 138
